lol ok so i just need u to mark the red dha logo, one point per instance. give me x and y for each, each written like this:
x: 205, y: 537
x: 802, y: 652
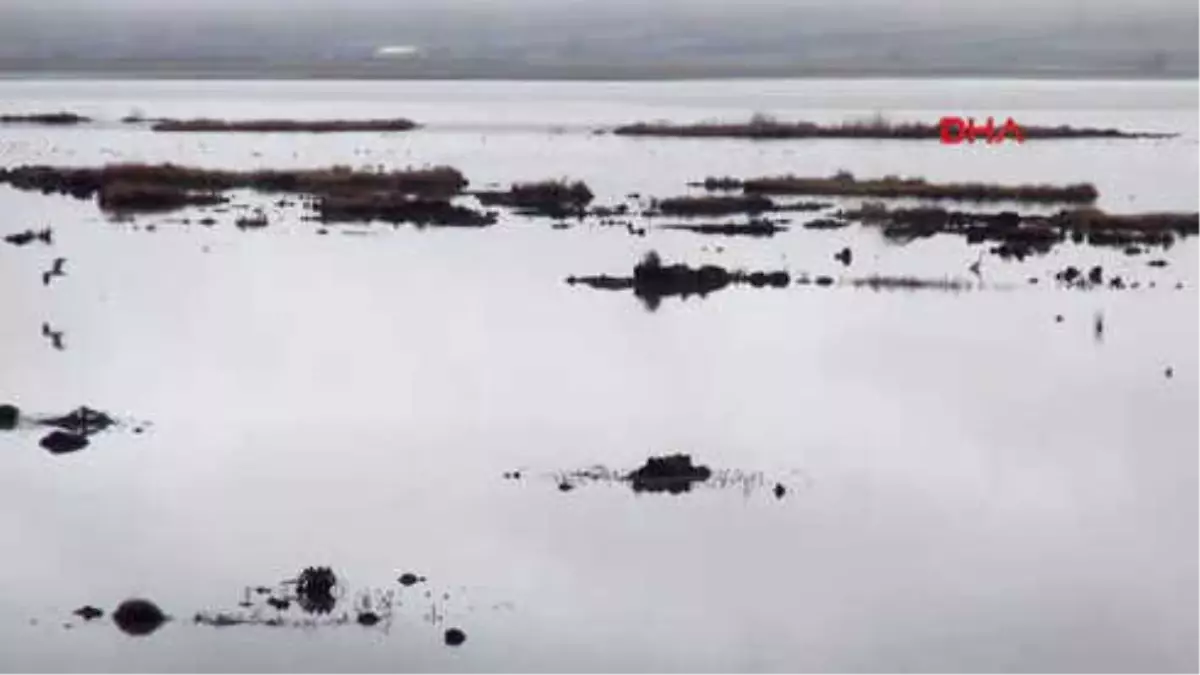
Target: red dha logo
x: 955, y: 130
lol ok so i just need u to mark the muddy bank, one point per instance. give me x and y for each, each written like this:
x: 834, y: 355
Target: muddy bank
x: 767, y: 129
x: 907, y: 283
x: 652, y: 280
x: 1021, y: 235
x: 150, y: 197
x: 398, y: 208
x: 58, y: 119
x: 724, y: 205
x: 283, y: 126
x: 555, y: 199
x: 85, y: 183
x: 712, y: 205
x: 759, y: 227
x: 845, y: 184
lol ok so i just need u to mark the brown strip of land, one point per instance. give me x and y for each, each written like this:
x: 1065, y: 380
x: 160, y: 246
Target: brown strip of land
x: 283, y: 126
x: 845, y: 184
x: 46, y: 119
x: 775, y: 130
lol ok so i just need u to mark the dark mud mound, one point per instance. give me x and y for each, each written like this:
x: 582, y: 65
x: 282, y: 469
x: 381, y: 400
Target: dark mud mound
x: 398, y: 208
x: 83, y: 421
x: 759, y: 227
x: 769, y: 129
x: 58, y: 119
x: 29, y: 236
x: 844, y: 184
x: 139, y: 617
x: 674, y: 474
x: 62, y: 442
x: 149, y: 197
x: 554, y: 199
x: 1018, y: 236
x: 712, y: 205
x: 84, y: 183
x: 10, y: 416
x: 315, y: 590
x: 284, y: 126
x: 652, y: 280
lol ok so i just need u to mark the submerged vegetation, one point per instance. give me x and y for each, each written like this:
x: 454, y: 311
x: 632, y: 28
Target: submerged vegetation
x: 553, y: 198
x: 1021, y: 235
x: 652, y: 280
x: 277, y: 126
x: 762, y: 127
x: 844, y: 184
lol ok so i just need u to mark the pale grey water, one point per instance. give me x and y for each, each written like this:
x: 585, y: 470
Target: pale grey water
x: 974, y: 487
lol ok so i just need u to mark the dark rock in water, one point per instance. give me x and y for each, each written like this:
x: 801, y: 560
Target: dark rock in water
x: 1033, y: 281
x: 138, y: 617
x: 1116, y: 283
x: 1169, y: 372
x: 1133, y: 250
x: 455, y: 637
x: 1096, y: 275
x: 367, y: 618
x: 823, y: 281
x: 565, y: 486
x: 280, y: 604
x: 9, y: 416
x: 1069, y: 275
x: 314, y: 590
x: 62, y: 442
x: 262, y: 590
x: 779, y: 491
x: 410, y: 579
x: 1159, y: 262
x: 1179, y: 286
x: 1098, y: 326
x: 1058, y: 318
x: 512, y: 475
x: 844, y: 256
x: 83, y: 421
x: 88, y: 613
x: 671, y: 473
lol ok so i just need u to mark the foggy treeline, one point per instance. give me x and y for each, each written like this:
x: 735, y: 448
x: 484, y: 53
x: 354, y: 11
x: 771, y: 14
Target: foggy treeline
x: 613, y: 38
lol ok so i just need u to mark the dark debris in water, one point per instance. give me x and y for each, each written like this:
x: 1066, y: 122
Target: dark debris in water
x: 315, y: 590
x: 89, y: 613
x: 653, y: 280
x: 139, y: 617
x: 671, y: 473
x: 45, y: 236
x: 63, y: 442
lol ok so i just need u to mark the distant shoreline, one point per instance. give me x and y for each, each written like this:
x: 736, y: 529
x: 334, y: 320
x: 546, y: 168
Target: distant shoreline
x: 567, y: 74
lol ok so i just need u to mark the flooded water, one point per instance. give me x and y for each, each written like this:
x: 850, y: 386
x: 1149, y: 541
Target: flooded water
x: 970, y: 485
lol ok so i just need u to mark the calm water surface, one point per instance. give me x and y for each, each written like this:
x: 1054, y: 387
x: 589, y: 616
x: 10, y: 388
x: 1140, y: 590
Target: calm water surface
x: 972, y: 486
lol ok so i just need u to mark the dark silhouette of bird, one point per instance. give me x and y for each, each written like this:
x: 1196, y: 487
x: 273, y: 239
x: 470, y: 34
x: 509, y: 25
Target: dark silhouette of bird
x: 975, y: 266
x: 56, y: 270
x: 844, y: 256
x: 55, y: 336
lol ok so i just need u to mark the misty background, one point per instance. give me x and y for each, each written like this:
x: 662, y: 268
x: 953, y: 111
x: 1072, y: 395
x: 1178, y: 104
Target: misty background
x: 620, y: 39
